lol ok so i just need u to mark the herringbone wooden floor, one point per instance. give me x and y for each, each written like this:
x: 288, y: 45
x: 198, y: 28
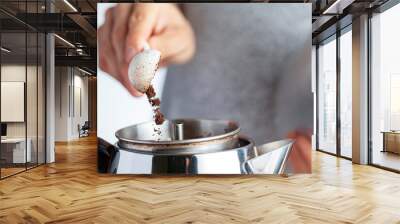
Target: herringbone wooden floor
x: 71, y: 191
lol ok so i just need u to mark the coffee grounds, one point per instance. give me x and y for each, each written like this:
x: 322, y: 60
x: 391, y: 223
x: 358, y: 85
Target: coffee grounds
x: 158, y: 117
x: 150, y: 92
x: 155, y: 103
x: 156, y: 131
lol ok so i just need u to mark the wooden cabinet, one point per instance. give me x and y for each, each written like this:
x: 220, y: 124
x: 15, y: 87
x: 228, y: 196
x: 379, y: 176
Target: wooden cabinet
x: 391, y: 141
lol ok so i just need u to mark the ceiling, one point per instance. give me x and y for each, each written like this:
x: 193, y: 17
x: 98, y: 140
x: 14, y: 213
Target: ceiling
x: 330, y: 15
x: 72, y: 20
x: 75, y: 21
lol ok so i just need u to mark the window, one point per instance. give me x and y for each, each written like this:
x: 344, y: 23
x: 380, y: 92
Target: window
x: 385, y: 89
x: 346, y: 92
x: 22, y: 77
x: 327, y: 96
x: 330, y: 133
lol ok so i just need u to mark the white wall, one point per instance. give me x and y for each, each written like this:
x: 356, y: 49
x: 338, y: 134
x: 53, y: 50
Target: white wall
x: 69, y: 82
x: 80, y: 83
x: 61, y: 103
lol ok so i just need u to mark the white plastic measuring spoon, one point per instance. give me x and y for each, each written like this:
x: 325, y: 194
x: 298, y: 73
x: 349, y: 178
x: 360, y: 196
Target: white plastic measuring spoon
x: 142, y: 68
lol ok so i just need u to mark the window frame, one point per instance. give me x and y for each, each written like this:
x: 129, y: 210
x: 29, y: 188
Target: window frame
x: 334, y: 37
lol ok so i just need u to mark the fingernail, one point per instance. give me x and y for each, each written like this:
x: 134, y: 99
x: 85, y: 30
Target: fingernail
x: 130, y: 52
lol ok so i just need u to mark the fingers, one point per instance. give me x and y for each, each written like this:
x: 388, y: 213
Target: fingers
x: 120, y: 16
x: 175, y: 44
x: 107, y: 60
x: 175, y: 41
x: 300, y: 156
x: 128, y: 27
x: 300, y: 133
x: 141, y: 25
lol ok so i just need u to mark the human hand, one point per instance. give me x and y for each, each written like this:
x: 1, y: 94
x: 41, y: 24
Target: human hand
x: 129, y: 26
x: 300, y: 156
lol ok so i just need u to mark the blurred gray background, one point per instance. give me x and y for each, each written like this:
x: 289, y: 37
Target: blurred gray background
x: 252, y: 65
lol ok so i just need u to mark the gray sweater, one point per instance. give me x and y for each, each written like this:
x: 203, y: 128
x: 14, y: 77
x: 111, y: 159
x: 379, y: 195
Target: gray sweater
x: 252, y: 65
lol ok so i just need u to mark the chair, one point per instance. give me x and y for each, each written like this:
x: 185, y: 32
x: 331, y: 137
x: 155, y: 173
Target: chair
x: 84, y: 130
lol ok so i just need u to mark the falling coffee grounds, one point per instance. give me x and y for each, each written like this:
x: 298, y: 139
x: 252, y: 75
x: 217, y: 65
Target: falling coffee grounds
x: 155, y: 103
x: 150, y: 93
x: 159, y: 117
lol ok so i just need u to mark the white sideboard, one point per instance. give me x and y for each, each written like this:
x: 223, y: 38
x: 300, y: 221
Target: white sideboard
x: 18, y: 145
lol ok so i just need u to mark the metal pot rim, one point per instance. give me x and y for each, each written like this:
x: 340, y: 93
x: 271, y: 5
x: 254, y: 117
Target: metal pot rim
x: 234, y: 132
